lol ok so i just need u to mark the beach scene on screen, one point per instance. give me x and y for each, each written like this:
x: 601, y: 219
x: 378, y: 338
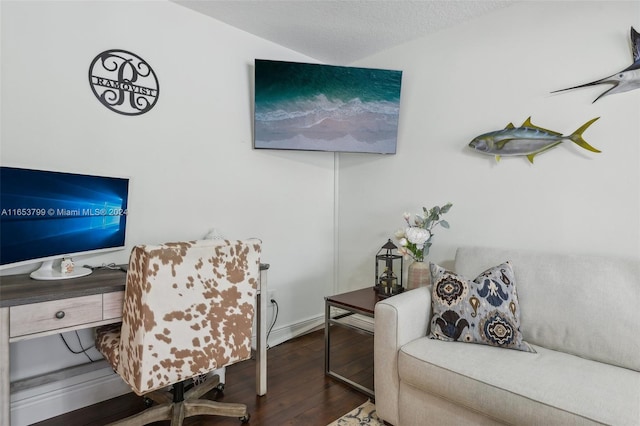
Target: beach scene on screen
x: 319, y: 107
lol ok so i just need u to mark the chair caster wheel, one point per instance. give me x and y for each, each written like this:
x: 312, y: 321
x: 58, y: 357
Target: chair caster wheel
x: 148, y: 402
x: 220, y: 387
x: 245, y: 419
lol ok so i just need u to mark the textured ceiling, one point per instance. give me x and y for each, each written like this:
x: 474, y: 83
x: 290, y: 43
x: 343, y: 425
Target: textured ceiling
x: 342, y: 31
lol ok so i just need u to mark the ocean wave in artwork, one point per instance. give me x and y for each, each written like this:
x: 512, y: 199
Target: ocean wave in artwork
x: 326, y: 120
x: 333, y: 118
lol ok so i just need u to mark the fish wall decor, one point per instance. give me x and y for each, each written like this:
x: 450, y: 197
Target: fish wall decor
x: 527, y: 140
x: 623, y: 81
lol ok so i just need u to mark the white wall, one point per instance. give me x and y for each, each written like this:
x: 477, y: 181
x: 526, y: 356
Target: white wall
x: 476, y: 78
x: 457, y: 84
x: 190, y: 158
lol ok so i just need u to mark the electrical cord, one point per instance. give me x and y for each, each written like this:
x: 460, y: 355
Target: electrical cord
x: 275, y: 318
x: 82, y: 350
x: 111, y: 266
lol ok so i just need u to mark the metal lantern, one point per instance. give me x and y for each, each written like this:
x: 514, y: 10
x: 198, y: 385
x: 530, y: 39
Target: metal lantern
x: 388, y: 271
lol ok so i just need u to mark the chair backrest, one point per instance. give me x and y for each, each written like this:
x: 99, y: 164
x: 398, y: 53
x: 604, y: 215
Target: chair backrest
x: 188, y: 310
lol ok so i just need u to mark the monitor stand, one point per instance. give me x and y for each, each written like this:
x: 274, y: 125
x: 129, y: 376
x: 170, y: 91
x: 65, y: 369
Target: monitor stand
x: 46, y: 272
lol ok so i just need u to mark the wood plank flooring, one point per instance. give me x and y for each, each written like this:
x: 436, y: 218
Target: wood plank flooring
x: 298, y: 392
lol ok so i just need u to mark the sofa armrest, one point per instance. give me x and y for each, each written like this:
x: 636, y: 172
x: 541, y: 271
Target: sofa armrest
x: 398, y: 320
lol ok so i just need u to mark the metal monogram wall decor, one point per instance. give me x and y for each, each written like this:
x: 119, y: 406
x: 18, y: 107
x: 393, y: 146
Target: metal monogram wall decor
x: 123, y: 82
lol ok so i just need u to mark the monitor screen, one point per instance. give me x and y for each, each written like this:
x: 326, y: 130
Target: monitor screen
x: 47, y: 215
x: 316, y: 107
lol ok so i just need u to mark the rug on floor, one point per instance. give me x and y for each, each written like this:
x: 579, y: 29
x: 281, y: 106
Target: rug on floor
x: 363, y: 415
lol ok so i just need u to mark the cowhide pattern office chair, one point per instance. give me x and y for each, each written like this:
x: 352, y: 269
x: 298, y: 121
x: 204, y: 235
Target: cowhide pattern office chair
x: 188, y: 310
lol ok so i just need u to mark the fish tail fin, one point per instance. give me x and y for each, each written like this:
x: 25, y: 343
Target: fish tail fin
x: 576, y: 137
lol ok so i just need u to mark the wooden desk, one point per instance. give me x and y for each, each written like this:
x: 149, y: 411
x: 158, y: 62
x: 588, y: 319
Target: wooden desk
x: 31, y: 309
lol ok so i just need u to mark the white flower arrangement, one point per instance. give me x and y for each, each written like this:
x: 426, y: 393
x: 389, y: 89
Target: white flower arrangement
x: 415, y: 239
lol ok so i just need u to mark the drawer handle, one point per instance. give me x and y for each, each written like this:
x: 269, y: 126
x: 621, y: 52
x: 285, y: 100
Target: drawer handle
x: 60, y: 314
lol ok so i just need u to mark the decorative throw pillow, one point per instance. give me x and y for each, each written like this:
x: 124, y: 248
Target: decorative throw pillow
x: 483, y: 311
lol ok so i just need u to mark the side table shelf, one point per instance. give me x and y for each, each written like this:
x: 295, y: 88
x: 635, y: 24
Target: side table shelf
x: 351, y: 314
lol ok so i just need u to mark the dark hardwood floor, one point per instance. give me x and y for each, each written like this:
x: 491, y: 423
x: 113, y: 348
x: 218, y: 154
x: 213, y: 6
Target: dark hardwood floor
x: 298, y: 392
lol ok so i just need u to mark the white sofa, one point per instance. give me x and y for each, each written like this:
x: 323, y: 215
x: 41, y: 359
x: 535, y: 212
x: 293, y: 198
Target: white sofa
x: 581, y: 315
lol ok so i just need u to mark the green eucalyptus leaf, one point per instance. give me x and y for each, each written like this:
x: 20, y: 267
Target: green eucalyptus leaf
x: 444, y: 224
x: 444, y: 209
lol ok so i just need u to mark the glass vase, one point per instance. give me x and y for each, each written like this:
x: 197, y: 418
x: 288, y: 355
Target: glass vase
x: 419, y: 275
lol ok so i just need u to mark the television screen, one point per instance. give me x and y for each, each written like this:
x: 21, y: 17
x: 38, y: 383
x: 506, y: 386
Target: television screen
x: 317, y: 107
x: 46, y: 214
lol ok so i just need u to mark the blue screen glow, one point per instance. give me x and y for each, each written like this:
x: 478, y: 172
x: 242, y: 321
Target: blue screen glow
x: 45, y: 213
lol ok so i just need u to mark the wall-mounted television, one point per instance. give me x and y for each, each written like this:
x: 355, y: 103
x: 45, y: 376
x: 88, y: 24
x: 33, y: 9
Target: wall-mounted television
x: 316, y: 107
x: 48, y: 215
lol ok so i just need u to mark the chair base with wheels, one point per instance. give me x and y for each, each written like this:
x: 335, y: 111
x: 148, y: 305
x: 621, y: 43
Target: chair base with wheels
x: 177, y: 404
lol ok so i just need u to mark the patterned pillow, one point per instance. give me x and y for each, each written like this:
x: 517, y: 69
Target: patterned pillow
x: 483, y: 311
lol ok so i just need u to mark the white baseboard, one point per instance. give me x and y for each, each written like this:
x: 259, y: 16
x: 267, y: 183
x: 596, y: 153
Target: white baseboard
x: 52, y: 399
x: 288, y: 332
x: 359, y: 321
x: 39, y: 401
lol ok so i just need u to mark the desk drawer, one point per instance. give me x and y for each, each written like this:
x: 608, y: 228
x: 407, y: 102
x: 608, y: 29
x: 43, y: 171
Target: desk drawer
x: 39, y: 317
x: 112, y: 304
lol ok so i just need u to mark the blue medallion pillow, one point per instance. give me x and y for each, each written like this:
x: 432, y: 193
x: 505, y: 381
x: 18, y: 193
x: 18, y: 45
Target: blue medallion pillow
x: 484, y: 310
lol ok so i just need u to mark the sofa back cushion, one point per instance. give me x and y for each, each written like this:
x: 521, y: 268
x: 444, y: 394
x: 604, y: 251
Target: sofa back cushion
x: 583, y: 305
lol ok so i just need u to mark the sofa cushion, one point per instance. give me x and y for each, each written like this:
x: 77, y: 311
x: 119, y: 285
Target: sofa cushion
x: 484, y: 310
x: 583, y: 305
x: 546, y: 387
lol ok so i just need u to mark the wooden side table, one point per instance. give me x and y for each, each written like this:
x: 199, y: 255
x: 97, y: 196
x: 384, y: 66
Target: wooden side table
x: 341, y: 311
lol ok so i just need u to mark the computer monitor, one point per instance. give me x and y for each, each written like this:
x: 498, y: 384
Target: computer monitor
x: 46, y: 216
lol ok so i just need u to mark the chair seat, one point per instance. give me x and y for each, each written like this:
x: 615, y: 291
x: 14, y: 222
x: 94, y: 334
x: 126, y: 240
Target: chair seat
x: 108, y: 343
